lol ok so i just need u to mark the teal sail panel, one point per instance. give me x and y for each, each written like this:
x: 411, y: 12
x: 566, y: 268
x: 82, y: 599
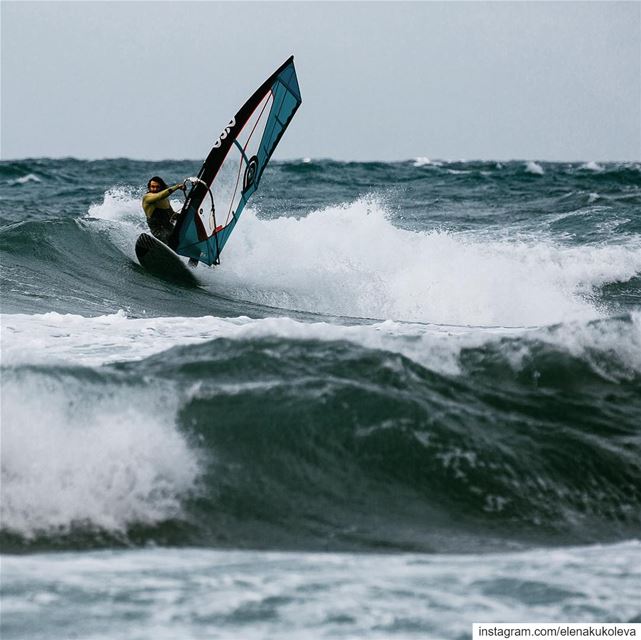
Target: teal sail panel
x: 234, y: 167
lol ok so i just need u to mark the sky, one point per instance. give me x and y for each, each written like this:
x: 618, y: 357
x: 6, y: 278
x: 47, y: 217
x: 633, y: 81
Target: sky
x: 537, y: 80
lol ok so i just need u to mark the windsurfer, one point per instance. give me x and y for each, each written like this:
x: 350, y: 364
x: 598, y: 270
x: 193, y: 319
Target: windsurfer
x: 161, y: 218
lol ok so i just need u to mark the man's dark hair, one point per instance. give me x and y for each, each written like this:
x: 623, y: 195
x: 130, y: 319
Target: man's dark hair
x: 159, y: 180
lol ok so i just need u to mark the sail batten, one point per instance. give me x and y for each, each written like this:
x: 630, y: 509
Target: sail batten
x: 233, y: 169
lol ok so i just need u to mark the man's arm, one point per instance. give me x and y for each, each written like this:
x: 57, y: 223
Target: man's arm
x: 151, y: 198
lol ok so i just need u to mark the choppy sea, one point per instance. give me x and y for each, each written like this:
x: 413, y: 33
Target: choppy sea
x: 409, y: 399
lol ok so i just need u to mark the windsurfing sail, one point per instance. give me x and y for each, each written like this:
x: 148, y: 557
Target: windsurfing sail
x: 234, y: 166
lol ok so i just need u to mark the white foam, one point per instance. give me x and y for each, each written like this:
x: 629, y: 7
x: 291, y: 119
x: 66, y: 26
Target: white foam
x: 592, y: 166
x: 352, y: 261
x: 620, y: 341
x: 123, y: 204
x: 535, y: 168
x: 119, y: 204
x: 120, y: 214
x: 253, y: 595
x: 94, y: 341
x: 54, y: 337
x: 30, y: 177
x: 75, y: 453
x: 422, y: 161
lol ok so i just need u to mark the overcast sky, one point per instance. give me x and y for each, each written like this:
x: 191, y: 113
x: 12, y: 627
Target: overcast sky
x: 379, y: 80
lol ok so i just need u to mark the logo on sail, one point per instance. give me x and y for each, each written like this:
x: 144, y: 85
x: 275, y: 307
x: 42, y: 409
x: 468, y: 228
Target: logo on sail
x: 225, y: 133
x: 250, y: 173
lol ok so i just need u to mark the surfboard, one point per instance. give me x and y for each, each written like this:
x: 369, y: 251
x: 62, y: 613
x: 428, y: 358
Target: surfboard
x: 157, y: 258
x: 233, y: 169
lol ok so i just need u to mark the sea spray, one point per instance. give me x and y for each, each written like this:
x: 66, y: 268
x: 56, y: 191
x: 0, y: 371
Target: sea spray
x: 353, y: 261
x: 79, y: 451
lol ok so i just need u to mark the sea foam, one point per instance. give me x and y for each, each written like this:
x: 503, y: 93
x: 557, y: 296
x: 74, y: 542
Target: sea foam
x: 30, y: 177
x: 592, y: 166
x: 534, y: 168
x: 72, y: 339
x: 119, y: 204
x: 352, y: 260
x: 98, y: 456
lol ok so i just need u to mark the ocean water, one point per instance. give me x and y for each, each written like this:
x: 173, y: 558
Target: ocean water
x: 409, y: 399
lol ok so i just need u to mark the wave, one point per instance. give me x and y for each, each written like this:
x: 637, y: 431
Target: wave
x: 321, y: 441
x: 592, y: 166
x: 436, y: 357
x: 73, y: 169
x: 30, y: 177
x: 610, y: 347
x: 534, y: 168
x: 365, y: 268
x: 348, y: 260
x: 89, y: 266
x: 79, y: 452
x: 351, y: 260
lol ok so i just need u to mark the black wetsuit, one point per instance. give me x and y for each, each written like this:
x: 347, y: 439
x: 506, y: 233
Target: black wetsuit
x: 160, y: 215
x: 161, y: 224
